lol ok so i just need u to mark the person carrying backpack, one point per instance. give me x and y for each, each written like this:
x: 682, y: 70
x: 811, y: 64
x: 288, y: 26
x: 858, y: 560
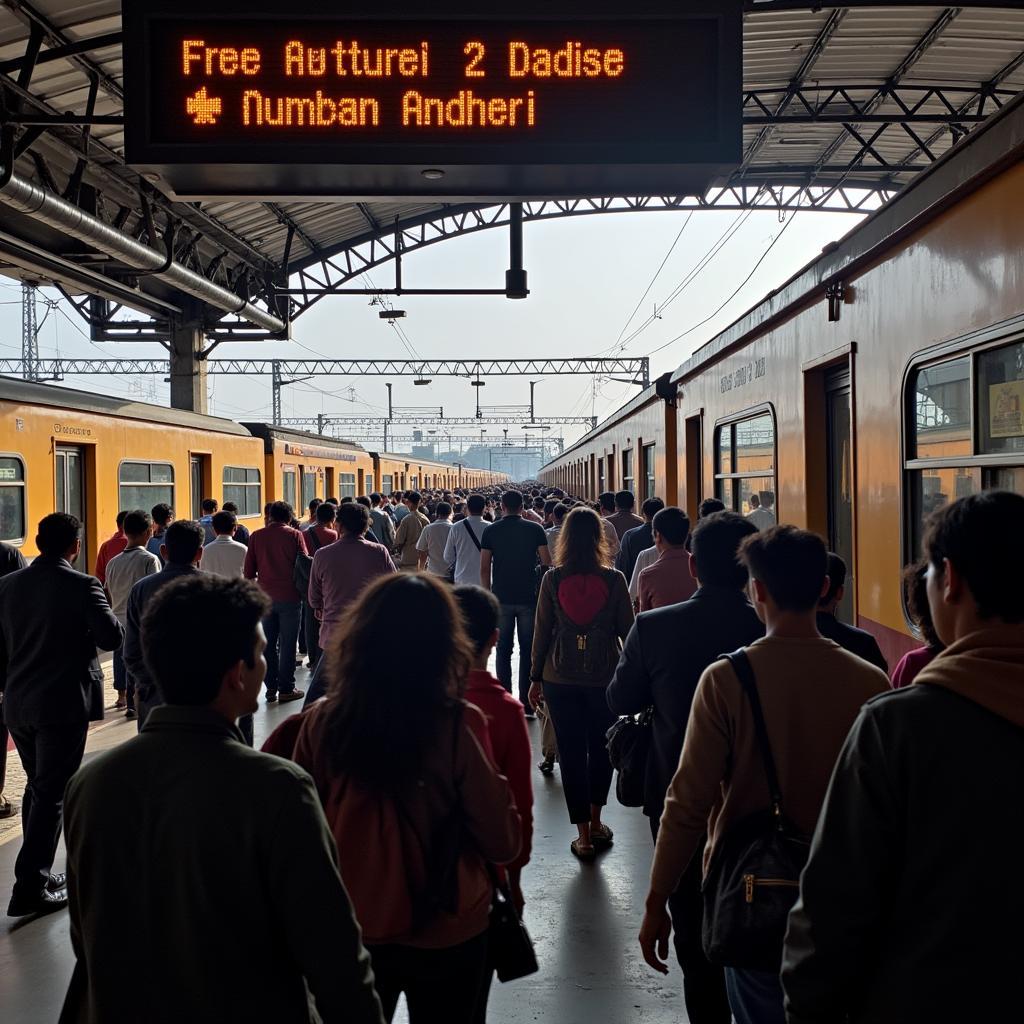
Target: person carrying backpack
x: 583, y: 614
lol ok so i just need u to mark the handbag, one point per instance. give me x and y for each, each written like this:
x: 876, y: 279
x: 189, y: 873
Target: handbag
x: 754, y: 877
x: 629, y: 747
x: 510, y: 947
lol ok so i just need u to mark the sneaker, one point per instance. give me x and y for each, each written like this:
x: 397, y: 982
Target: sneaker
x: 271, y: 696
x: 291, y: 695
x: 131, y: 714
x: 547, y: 766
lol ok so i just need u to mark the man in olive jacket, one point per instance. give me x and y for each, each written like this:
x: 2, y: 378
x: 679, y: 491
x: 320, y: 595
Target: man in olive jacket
x: 202, y: 875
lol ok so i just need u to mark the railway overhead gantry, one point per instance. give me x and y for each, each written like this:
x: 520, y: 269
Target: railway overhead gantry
x: 841, y: 105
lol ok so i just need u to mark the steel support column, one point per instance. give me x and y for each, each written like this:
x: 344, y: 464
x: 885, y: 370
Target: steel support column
x: 188, y: 368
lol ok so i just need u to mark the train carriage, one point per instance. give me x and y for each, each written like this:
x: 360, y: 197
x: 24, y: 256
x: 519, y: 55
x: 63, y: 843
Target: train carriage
x: 882, y: 380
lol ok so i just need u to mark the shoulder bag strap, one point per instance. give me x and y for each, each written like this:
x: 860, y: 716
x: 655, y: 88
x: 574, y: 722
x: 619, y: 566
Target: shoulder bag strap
x: 470, y: 531
x: 745, y: 673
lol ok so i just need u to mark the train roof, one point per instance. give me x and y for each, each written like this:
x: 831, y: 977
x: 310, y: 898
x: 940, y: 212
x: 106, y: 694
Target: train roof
x: 12, y: 389
x: 269, y: 433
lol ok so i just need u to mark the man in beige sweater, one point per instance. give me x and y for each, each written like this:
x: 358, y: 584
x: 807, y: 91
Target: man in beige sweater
x: 810, y: 689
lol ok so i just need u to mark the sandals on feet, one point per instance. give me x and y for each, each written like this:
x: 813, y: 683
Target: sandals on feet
x: 602, y: 835
x: 582, y: 851
x: 7, y: 809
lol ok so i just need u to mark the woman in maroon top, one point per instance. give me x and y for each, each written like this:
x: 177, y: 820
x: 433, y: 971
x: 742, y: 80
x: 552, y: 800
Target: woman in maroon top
x: 404, y: 770
x: 916, y: 589
x: 583, y: 614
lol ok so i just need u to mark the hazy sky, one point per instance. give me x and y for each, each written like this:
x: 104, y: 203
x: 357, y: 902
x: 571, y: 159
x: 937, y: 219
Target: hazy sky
x: 586, y: 276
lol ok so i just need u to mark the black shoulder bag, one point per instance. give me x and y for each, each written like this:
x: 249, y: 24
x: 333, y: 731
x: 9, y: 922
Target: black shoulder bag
x: 629, y: 748
x: 754, y: 877
x: 510, y: 947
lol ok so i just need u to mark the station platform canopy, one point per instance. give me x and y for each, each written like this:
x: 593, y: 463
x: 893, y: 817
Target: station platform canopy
x: 842, y: 106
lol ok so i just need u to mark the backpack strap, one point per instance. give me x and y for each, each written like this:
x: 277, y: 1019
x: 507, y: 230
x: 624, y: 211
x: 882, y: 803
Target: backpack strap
x: 469, y: 530
x: 745, y: 673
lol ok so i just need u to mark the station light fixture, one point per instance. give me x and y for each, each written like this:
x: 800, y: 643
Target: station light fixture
x: 391, y: 314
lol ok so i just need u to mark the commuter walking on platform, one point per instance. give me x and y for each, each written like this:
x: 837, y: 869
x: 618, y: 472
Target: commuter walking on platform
x: 317, y: 537
x: 763, y: 518
x: 664, y: 656
x: 340, y: 573
x: 911, y: 883
x: 408, y: 533
x: 915, y: 590
x: 11, y: 560
x: 209, y: 507
x: 638, y: 539
x: 241, y: 533
x: 669, y: 579
x: 111, y: 547
x: 583, y: 612
x: 463, y: 546
x: 181, y: 550
x: 511, y: 550
x: 810, y: 691
x: 52, y: 619
x: 623, y: 518
x: 404, y: 770
x: 856, y: 641
x: 192, y: 858
x: 224, y: 556
x: 125, y: 570
x: 381, y: 522
x: 606, y: 503
x: 270, y: 559
x: 163, y: 516
x: 433, y: 541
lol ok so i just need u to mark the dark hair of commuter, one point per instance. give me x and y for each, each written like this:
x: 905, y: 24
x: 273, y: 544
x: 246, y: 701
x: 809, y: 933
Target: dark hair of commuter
x: 836, y: 578
x: 137, y: 522
x: 624, y: 500
x: 375, y: 499
x: 475, y: 504
x: 209, y: 506
x: 120, y: 517
x: 332, y: 501
x: 651, y: 507
x: 715, y: 544
x: 480, y: 610
x: 281, y: 512
x: 228, y: 506
x: 915, y: 587
x: 57, y: 534
x: 790, y: 563
x: 709, y: 506
x: 966, y: 533
x: 314, y: 504
x: 381, y: 717
x: 364, y: 501
x: 161, y: 513
x: 512, y: 501
x: 413, y: 497
x: 266, y: 509
x: 326, y: 513
x: 224, y: 523
x: 346, y: 499
x: 671, y: 524
x: 354, y: 518
x: 559, y: 512
x: 192, y: 673
x: 607, y: 501
x: 582, y: 547
x: 184, y: 537
x: 443, y: 509
x: 549, y: 506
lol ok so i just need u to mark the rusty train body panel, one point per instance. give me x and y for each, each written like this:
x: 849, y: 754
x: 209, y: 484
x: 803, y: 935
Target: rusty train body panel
x: 92, y: 455
x: 882, y: 380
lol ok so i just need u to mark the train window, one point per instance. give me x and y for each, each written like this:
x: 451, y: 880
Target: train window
x: 648, y: 470
x: 145, y: 484
x: 941, y: 416
x: 348, y: 485
x: 288, y: 491
x: 308, y: 485
x: 1000, y: 397
x: 242, y: 486
x: 745, y: 462
x: 628, y: 483
x: 369, y: 483
x: 387, y: 484
x: 12, y: 499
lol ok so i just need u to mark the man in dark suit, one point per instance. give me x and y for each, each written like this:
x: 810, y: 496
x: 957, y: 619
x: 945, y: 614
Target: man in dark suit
x: 856, y: 641
x: 662, y: 661
x: 52, y: 619
x: 638, y: 539
x: 11, y: 560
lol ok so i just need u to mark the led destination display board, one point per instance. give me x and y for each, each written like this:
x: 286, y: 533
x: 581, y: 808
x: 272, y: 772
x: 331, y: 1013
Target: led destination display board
x: 272, y: 102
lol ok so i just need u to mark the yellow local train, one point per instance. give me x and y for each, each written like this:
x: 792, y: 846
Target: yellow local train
x: 882, y: 380
x: 91, y: 455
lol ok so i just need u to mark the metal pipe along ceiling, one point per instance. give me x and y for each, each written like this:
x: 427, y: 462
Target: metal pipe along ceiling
x: 43, y: 205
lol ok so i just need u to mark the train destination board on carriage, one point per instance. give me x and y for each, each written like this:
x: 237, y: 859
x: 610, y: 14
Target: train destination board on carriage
x: 475, y: 107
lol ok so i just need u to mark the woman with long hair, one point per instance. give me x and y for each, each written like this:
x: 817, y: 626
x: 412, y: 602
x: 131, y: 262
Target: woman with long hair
x: 583, y: 615
x: 403, y: 768
x: 915, y: 589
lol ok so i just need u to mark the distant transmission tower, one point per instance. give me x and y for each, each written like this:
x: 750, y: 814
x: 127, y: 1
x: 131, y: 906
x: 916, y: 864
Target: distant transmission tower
x: 29, y: 332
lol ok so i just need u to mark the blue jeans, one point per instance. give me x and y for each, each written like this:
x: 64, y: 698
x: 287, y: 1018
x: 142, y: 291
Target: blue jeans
x: 282, y: 629
x: 515, y: 620
x: 755, y: 996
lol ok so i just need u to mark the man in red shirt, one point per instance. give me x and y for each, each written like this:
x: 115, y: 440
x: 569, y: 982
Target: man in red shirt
x: 111, y: 547
x: 506, y: 721
x: 270, y: 560
x: 669, y: 580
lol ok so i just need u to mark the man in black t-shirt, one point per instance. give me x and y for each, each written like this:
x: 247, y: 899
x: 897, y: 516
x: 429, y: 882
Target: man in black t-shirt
x: 11, y: 560
x: 508, y: 563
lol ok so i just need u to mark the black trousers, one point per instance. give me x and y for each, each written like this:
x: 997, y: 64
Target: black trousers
x: 311, y: 630
x: 703, y: 983
x: 441, y: 986
x: 3, y: 756
x: 50, y: 755
x: 581, y: 718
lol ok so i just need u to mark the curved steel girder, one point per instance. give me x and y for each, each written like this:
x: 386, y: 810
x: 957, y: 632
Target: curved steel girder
x: 316, y: 278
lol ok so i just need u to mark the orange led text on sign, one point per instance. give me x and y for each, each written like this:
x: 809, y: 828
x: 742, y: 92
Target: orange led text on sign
x: 356, y: 60
x: 222, y: 60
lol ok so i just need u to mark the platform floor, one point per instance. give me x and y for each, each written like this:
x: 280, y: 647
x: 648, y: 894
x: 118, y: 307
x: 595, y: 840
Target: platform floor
x: 583, y: 918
